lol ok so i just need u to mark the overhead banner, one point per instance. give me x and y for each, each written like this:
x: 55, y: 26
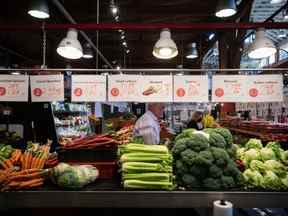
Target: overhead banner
x: 14, y: 88
x: 229, y: 88
x: 88, y: 88
x: 156, y: 89
x: 264, y: 88
x: 124, y: 88
x: 191, y: 89
x: 47, y: 88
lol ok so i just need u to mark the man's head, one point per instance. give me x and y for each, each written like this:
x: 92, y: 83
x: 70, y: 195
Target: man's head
x: 156, y: 108
x: 197, y: 116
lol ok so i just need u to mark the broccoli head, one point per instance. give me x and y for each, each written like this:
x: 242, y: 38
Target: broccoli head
x: 179, y: 146
x: 226, y: 134
x: 221, y: 157
x: 231, y: 169
x: 204, y: 158
x: 209, y: 130
x: 227, y: 182
x: 232, y: 151
x: 199, y: 171
x: 217, y: 140
x: 190, y: 181
x: 197, y: 142
x: 181, y: 167
x: 188, y: 156
x: 215, y: 171
x: 212, y: 183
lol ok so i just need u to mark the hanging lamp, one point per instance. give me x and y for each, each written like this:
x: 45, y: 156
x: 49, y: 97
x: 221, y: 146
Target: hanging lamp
x: 39, y: 9
x: 87, y: 51
x: 226, y: 8
x: 191, y: 52
x: 165, y: 47
x: 262, y: 47
x: 70, y: 47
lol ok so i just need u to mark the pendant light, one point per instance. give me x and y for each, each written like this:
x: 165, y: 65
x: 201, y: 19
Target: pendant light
x: 276, y: 1
x: 165, y: 47
x: 87, y: 51
x: 262, y: 47
x: 70, y: 47
x: 39, y: 9
x: 191, y: 52
x: 225, y: 8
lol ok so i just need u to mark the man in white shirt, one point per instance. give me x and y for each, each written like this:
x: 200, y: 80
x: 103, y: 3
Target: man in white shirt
x: 147, y: 126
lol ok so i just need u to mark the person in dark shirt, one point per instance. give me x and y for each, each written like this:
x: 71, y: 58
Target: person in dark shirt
x: 195, y: 122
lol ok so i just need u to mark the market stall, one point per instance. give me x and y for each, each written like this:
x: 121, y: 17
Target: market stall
x: 115, y: 169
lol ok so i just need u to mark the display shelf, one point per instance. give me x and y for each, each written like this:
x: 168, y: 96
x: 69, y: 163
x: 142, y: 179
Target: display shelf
x: 108, y: 195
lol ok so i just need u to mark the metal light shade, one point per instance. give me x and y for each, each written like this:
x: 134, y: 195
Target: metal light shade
x: 262, y: 47
x: 192, y: 52
x: 70, y: 47
x: 87, y: 52
x: 276, y: 1
x: 165, y: 47
x: 226, y: 8
x: 39, y: 9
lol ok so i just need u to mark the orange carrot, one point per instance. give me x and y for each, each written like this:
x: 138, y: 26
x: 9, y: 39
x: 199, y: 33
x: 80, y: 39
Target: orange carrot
x: 25, y: 172
x: 35, y: 175
x: 30, y: 156
x: 9, y: 163
x: 27, y: 184
x: 3, y: 164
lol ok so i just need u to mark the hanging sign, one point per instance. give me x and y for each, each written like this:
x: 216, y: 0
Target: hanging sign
x: 229, y: 88
x: 47, y: 88
x: 124, y: 88
x: 191, y: 89
x: 88, y: 88
x: 264, y: 88
x: 156, y: 89
x: 14, y: 88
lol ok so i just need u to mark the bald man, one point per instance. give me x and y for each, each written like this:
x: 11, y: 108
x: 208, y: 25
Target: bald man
x: 147, y: 126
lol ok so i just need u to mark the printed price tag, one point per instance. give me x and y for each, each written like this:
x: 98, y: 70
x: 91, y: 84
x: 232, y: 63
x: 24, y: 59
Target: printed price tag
x: 14, y: 88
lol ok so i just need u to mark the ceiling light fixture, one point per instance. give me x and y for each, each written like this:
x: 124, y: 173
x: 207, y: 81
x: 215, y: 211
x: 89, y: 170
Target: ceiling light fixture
x: 226, y: 8
x: 124, y: 43
x: 165, y: 47
x: 70, y: 47
x: 211, y: 36
x: 87, y: 51
x: 127, y: 51
x: 285, y: 13
x: 262, y: 47
x: 39, y: 9
x: 191, y: 52
x: 282, y: 34
x: 113, y: 7
x: 122, y: 37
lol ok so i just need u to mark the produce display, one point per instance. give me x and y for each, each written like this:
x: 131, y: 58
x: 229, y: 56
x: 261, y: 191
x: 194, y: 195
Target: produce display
x: 146, y: 167
x: 89, y: 142
x: 124, y: 135
x: 209, y: 122
x: 205, y: 159
x: 73, y: 177
x: 265, y: 167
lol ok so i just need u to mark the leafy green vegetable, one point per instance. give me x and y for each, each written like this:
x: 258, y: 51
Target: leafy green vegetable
x: 187, y: 133
x: 146, y: 157
x: 276, y: 167
x: 191, y: 181
x: 284, y: 157
x: 148, y: 176
x: 134, y: 147
x: 136, y: 167
x: 227, y: 182
x: 197, y: 143
x: 271, y: 180
x: 204, y: 158
x: 240, y: 154
x: 257, y: 165
x: 180, y: 146
x: 253, y: 178
x: 231, y: 169
x: 220, y: 156
x: 215, y: 171
x: 254, y: 144
x: 232, y: 151
x: 276, y: 147
x: 202, y: 133
x: 284, y: 182
x: 267, y: 154
x: 150, y: 185
x: 212, y: 183
x: 188, y: 156
x: 251, y: 154
x: 226, y: 134
x: 200, y: 172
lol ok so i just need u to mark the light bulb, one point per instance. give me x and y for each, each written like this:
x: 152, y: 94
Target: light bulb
x: 165, y: 51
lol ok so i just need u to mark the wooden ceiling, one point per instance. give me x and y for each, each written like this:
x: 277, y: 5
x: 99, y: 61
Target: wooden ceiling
x: 29, y: 43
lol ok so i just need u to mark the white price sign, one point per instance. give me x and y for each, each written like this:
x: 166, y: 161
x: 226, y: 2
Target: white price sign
x: 124, y: 88
x: 156, y: 89
x: 264, y: 88
x: 88, y: 88
x: 14, y: 87
x: 229, y: 88
x: 191, y: 89
x: 46, y: 88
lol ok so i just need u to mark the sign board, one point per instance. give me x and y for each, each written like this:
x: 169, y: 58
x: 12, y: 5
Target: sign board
x: 88, y: 88
x: 191, y: 89
x: 156, y: 89
x: 47, y: 88
x: 229, y: 88
x: 14, y: 88
x: 124, y: 88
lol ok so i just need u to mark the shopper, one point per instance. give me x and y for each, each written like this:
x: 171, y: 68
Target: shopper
x: 196, y: 121
x: 147, y: 126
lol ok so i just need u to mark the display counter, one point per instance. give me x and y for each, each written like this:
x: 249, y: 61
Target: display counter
x: 110, y: 195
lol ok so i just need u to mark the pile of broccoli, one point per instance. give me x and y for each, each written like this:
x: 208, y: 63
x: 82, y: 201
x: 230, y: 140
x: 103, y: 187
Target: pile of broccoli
x: 206, y: 160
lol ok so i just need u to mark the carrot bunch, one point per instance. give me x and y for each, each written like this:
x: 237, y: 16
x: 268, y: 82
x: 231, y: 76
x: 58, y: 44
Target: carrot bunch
x: 35, y: 157
x: 25, y: 179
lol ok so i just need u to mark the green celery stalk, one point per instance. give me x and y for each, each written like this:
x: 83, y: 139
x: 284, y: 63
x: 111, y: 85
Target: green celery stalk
x: 148, y: 176
x: 146, y: 157
x: 150, y: 185
x: 132, y: 147
x: 136, y: 167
